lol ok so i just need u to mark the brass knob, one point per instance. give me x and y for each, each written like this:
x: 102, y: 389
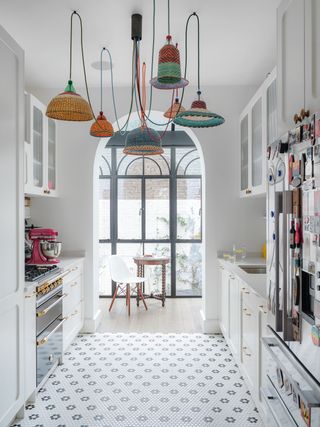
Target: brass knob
x: 248, y: 191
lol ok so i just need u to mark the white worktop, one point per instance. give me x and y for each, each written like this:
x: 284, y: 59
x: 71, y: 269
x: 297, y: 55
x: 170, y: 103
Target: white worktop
x: 64, y: 264
x: 256, y: 281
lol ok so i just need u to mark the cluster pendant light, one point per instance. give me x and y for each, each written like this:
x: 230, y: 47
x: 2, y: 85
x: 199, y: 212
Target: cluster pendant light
x: 69, y: 105
x: 101, y: 127
x: 142, y: 141
x: 198, y: 116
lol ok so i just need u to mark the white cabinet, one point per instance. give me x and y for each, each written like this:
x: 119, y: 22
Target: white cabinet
x: 40, y: 150
x: 30, y: 345
x: 298, y: 59
x: 224, y: 292
x: 11, y: 228
x: 257, y: 126
x: 234, y: 315
x: 73, y: 303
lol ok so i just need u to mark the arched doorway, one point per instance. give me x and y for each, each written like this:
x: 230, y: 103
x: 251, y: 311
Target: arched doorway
x: 153, y: 205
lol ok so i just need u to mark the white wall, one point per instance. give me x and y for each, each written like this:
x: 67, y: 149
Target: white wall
x: 228, y: 219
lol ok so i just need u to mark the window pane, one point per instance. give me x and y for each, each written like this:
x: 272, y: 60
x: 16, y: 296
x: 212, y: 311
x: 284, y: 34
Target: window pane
x: 153, y: 274
x: 105, y: 285
x: 104, y: 208
x: 188, y: 208
x: 128, y: 165
x: 158, y: 165
x: 157, y: 209
x: 188, y: 269
x: 128, y: 251
x: 105, y: 162
x: 129, y: 209
x: 183, y: 158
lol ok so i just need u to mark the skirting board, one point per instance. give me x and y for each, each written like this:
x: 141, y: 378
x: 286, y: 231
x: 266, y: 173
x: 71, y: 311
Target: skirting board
x: 210, y: 326
x: 90, y: 325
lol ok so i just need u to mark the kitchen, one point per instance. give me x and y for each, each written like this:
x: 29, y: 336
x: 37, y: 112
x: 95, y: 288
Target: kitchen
x: 52, y: 305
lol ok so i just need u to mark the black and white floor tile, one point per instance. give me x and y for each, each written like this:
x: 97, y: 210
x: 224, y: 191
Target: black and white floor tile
x: 152, y: 380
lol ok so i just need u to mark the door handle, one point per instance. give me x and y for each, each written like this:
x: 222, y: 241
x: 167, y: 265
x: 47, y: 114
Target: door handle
x: 45, y: 311
x: 44, y: 340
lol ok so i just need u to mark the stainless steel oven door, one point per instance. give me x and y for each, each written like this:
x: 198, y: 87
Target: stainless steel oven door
x: 49, y: 349
x: 49, y: 311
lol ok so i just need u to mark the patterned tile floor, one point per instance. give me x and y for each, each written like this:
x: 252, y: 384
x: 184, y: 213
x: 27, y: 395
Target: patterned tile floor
x: 151, y: 380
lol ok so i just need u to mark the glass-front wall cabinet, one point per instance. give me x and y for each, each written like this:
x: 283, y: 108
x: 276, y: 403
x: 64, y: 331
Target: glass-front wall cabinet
x: 52, y: 154
x: 258, y: 128
x: 38, y: 143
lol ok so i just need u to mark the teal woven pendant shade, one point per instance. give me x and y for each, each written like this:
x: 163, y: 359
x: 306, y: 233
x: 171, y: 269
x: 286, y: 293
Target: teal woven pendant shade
x: 143, y: 141
x: 198, y: 116
x: 169, y: 69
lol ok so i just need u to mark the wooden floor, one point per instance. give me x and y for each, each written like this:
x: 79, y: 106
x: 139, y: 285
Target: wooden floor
x: 179, y: 315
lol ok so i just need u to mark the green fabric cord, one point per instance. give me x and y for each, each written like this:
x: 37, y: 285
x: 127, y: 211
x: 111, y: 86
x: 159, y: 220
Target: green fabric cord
x: 70, y: 87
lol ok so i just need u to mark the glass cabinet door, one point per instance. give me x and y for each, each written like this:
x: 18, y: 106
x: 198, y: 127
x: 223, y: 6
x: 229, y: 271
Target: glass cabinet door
x: 37, y: 135
x: 272, y: 122
x: 244, y: 152
x: 257, y: 143
x: 51, y: 154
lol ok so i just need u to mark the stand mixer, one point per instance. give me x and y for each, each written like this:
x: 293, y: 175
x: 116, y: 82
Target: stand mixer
x: 45, y: 248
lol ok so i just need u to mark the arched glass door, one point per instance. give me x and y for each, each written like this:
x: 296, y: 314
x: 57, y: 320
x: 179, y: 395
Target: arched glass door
x: 152, y: 205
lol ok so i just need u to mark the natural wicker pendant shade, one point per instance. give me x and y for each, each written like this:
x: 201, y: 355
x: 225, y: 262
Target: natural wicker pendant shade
x: 174, y: 109
x: 101, y: 127
x: 69, y: 106
x: 198, y: 116
x: 143, y: 141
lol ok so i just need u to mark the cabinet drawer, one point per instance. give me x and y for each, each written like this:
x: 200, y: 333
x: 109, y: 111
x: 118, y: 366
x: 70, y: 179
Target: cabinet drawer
x: 72, y: 325
x: 249, y: 326
x: 73, y: 290
x: 249, y: 363
x: 74, y: 271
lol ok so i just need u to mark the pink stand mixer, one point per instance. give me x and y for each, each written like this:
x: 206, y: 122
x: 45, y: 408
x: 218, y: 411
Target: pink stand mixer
x: 45, y: 248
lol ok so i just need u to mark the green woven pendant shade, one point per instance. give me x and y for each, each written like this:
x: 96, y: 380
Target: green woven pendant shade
x: 69, y: 106
x: 143, y: 141
x: 169, y: 69
x: 198, y: 116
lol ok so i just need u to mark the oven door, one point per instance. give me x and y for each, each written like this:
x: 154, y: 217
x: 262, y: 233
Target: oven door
x: 49, y: 311
x: 49, y: 349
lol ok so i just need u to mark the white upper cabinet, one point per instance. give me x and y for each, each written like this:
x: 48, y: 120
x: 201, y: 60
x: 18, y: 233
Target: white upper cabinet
x: 257, y: 124
x: 298, y: 60
x: 40, y: 150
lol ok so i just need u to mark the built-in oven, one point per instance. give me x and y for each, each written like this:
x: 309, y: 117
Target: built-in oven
x: 49, y: 327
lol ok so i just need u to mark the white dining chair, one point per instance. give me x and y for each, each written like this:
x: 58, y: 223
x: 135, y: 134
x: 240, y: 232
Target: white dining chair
x: 125, y: 279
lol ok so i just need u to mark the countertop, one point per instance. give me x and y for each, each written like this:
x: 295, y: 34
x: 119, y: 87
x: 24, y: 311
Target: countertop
x: 256, y: 281
x: 64, y: 264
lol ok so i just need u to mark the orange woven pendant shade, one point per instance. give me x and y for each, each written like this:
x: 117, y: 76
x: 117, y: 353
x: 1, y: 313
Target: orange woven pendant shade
x: 174, y: 109
x: 69, y: 106
x: 101, y: 127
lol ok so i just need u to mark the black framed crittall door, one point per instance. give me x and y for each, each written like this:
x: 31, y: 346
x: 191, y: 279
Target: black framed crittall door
x: 152, y: 205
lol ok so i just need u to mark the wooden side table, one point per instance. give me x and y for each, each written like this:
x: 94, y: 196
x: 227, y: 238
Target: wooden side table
x: 141, y: 261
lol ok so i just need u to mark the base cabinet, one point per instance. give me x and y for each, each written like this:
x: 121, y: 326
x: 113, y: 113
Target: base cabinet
x: 30, y: 345
x: 243, y: 321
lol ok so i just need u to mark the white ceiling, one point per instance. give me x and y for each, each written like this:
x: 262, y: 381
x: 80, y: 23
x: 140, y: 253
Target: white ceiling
x: 237, y: 37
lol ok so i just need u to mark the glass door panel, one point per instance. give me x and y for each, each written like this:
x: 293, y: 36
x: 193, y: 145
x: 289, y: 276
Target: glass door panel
x: 188, y: 208
x: 188, y: 269
x: 244, y: 152
x: 128, y: 251
x: 129, y: 209
x: 51, y: 154
x: 37, y: 135
x: 153, y: 274
x: 104, y: 208
x: 272, y: 122
x: 105, y: 283
x: 257, y: 143
x: 157, y: 204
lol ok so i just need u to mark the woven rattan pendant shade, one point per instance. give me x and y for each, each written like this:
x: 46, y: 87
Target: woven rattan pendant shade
x: 101, y: 127
x: 169, y: 69
x: 174, y: 109
x: 143, y: 141
x: 69, y: 106
x: 198, y: 116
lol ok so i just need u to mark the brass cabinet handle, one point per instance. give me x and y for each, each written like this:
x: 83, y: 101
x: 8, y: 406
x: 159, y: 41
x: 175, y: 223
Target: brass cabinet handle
x: 45, y: 311
x: 245, y: 353
x: 231, y: 277
x: 248, y: 191
x: 246, y: 312
x: 245, y: 291
x: 262, y: 309
x: 74, y: 284
x: 44, y: 340
x: 75, y: 268
x: 74, y: 313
